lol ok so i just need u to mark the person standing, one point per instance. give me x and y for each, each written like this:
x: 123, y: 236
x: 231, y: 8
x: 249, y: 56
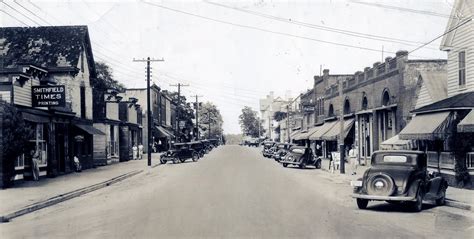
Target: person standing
x: 140, y: 151
x: 35, y: 158
x: 353, y: 159
x: 134, y: 151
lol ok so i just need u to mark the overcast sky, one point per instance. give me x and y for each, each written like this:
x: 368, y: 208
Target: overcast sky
x: 235, y: 53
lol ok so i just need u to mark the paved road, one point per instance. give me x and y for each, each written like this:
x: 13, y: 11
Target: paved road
x: 232, y: 193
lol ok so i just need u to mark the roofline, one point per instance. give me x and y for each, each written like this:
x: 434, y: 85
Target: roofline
x: 428, y: 60
x: 441, y: 110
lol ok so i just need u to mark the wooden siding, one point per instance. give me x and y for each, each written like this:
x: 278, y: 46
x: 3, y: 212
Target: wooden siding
x: 112, y: 111
x: 132, y: 115
x: 22, y: 94
x: 5, y: 93
x: 463, y: 39
x: 424, y: 97
x: 100, y: 144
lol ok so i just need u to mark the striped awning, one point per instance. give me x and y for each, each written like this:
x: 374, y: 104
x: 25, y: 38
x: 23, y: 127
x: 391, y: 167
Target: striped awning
x: 309, y: 132
x: 335, y: 131
x: 322, y: 130
x: 430, y: 126
x: 467, y: 124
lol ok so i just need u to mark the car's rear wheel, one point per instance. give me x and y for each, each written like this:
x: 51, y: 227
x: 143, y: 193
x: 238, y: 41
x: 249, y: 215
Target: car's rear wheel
x: 285, y: 165
x: 418, y: 204
x: 442, y: 200
x: 302, y: 165
x: 318, y: 164
x: 362, y: 203
x: 195, y: 157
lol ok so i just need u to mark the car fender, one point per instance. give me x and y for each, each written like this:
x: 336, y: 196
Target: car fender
x: 414, y: 187
x: 436, y: 185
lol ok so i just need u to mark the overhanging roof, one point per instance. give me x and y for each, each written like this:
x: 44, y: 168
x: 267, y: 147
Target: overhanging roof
x: 467, y: 124
x: 428, y: 126
x: 335, y: 131
x: 460, y: 101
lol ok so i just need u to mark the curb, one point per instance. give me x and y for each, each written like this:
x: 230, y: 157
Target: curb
x: 64, y: 197
x: 457, y: 204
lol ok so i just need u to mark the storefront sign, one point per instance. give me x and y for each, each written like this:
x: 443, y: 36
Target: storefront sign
x: 308, y: 108
x: 43, y: 96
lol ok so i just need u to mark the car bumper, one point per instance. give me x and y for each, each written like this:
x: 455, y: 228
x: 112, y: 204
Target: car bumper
x: 291, y: 162
x: 384, y: 198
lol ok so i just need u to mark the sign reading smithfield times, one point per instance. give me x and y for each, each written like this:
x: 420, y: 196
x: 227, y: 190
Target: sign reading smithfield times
x: 43, y: 96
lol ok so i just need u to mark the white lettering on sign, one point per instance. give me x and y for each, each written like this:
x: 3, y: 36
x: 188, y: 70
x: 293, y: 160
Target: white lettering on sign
x: 48, y: 96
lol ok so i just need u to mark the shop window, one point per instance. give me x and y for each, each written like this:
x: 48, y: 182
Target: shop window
x: 38, y: 142
x: 462, y: 68
x: 385, y: 98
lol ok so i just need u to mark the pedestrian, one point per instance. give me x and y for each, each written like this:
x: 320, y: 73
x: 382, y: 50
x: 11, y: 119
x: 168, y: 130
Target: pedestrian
x: 134, y: 151
x: 353, y: 159
x: 35, y: 159
x: 140, y: 151
x: 77, y: 164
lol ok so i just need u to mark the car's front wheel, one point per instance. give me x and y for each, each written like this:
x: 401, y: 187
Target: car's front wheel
x: 195, y: 157
x: 162, y: 161
x: 318, y: 164
x: 285, y: 165
x: 418, y: 204
x: 362, y: 203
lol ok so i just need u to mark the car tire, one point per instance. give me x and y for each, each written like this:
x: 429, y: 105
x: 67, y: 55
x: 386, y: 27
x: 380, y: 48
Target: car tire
x: 162, y: 161
x: 417, y: 206
x: 182, y: 160
x: 195, y: 157
x: 285, y: 165
x: 362, y: 203
x: 442, y: 200
x: 388, y: 185
x: 302, y: 165
x: 318, y: 164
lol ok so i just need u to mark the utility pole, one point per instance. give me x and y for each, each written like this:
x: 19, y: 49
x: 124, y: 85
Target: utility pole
x: 148, y: 103
x: 179, y: 85
x: 288, y: 122
x: 341, y: 127
x: 197, y: 115
x: 270, y: 127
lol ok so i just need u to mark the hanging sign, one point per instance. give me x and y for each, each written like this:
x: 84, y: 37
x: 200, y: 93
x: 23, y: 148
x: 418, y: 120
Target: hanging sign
x: 44, y: 96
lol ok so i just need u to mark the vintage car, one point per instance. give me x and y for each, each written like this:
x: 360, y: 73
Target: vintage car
x: 266, y: 148
x: 398, y: 176
x: 180, y: 152
x: 207, y: 145
x: 281, y: 150
x: 301, y: 156
x: 199, y: 147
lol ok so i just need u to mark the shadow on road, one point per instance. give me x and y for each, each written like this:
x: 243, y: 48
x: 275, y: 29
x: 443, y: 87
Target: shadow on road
x: 400, y: 207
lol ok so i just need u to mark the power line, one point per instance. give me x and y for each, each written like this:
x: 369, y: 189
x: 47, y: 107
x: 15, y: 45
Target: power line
x: 403, y: 9
x: 22, y: 22
x: 34, y: 14
x: 14, y: 9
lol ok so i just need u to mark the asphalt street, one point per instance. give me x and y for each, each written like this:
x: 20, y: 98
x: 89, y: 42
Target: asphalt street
x: 233, y: 192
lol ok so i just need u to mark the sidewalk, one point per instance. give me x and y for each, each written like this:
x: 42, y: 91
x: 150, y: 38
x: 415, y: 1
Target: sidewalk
x: 26, y: 194
x: 455, y: 197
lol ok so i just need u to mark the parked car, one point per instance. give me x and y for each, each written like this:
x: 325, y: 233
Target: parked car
x: 180, y: 152
x: 399, y: 176
x: 301, y: 156
x: 199, y: 147
x: 281, y: 150
x: 267, y: 145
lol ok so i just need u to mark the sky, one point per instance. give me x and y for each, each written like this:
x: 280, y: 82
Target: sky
x: 232, y: 53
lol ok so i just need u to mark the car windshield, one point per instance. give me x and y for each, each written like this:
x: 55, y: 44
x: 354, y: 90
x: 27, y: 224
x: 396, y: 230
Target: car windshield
x: 299, y: 151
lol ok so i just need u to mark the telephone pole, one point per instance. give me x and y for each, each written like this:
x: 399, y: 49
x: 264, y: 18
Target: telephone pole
x: 341, y: 133
x: 197, y: 115
x: 179, y: 85
x: 149, y: 119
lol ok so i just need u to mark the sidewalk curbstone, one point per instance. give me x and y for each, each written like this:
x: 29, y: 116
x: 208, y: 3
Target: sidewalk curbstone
x: 457, y: 204
x: 64, y: 197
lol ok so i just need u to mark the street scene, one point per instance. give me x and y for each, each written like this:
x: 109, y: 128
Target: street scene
x: 237, y: 119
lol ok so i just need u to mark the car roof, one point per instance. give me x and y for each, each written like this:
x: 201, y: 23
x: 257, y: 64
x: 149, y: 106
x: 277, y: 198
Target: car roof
x: 398, y: 151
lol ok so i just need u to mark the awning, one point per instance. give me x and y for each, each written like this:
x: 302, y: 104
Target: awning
x: 299, y: 135
x: 395, y: 143
x: 163, y: 133
x: 309, y: 133
x: 335, y: 131
x: 293, y: 134
x: 89, y: 129
x: 322, y: 130
x: 429, y: 126
x: 34, y: 118
x: 467, y: 124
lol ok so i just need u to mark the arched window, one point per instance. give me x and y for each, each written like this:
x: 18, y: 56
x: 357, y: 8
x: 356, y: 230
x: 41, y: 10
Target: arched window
x: 385, y: 98
x: 347, y: 107
x: 331, y: 110
x: 365, y: 103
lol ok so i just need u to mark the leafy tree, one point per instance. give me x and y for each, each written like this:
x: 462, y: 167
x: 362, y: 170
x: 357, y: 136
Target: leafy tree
x: 279, y: 115
x: 249, y: 123
x: 105, y: 79
x: 208, y: 113
x: 16, y: 134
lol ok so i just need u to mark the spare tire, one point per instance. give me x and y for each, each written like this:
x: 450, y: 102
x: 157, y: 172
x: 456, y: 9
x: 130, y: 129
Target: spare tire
x: 380, y: 185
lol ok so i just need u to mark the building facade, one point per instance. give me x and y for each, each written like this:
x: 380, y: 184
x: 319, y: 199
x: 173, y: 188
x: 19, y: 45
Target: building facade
x: 54, y: 58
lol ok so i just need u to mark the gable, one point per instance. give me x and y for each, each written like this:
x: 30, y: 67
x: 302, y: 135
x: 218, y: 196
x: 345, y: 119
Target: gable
x: 462, y: 10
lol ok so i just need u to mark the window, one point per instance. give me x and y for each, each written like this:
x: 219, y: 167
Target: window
x: 83, y: 102
x: 347, y: 107
x: 365, y: 103
x: 395, y: 159
x: 462, y: 68
x: 331, y: 111
x: 386, y: 98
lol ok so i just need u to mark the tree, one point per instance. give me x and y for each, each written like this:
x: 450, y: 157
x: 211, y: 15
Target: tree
x: 210, y: 115
x: 105, y: 79
x: 279, y: 115
x: 16, y: 134
x: 249, y: 123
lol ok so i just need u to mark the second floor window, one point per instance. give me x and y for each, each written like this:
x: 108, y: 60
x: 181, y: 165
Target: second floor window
x: 83, y: 101
x: 462, y: 68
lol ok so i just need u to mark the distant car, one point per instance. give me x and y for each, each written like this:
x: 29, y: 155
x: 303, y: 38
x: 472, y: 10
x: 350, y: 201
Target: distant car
x: 399, y: 176
x: 281, y: 150
x: 199, y: 147
x: 267, y: 145
x: 301, y: 156
x: 180, y: 152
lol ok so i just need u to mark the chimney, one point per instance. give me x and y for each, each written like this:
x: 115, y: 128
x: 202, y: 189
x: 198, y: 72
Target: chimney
x: 325, y: 72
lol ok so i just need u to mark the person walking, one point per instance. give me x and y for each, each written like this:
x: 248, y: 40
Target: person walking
x: 35, y: 158
x: 134, y: 151
x: 140, y: 151
x: 353, y: 159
